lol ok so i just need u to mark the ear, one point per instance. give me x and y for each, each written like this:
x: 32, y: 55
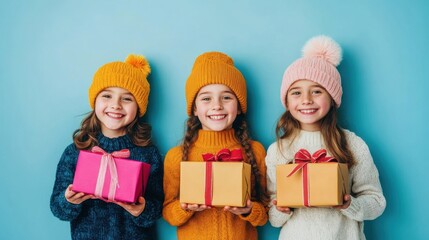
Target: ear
x: 195, y: 110
x: 238, y: 108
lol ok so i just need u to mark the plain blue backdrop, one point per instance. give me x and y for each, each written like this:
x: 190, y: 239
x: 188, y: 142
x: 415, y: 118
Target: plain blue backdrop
x: 49, y: 51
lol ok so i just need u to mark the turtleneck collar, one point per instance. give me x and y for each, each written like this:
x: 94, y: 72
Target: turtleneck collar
x: 310, y: 140
x: 214, y: 139
x: 114, y: 144
x: 310, y: 135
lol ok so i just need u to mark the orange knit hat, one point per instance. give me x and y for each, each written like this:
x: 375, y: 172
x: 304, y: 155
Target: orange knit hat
x: 130, y: 75
x: 215, y: 68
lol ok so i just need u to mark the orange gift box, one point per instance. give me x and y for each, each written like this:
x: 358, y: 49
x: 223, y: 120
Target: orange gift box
x: 315, y: 182
x: 215, y: 183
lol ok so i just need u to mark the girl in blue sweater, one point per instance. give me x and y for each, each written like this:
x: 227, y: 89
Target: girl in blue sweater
x: 118, y: 96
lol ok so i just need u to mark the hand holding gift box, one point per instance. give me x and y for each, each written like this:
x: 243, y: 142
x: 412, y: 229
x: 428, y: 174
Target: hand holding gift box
x: 314, y: 180
x: 223, y: 179
x: 110, y: 176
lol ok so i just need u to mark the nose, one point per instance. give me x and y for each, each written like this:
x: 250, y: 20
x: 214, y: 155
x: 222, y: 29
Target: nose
x: 307, y: 98
x: 217, y: 104
x: 116, y: 103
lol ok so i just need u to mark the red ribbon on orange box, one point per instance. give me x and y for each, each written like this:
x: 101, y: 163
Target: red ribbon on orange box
x: 303, y: 157
x: 108, y: 160
x: 224, y: 155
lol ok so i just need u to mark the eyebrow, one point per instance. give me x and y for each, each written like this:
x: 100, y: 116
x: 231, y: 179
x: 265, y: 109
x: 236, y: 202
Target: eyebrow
x: 110, y: 91
x: 294, y: 88
x: 312, y: 86
x: 209, y: 92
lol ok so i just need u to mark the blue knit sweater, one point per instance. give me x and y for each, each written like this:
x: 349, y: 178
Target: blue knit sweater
x: 96, y: 219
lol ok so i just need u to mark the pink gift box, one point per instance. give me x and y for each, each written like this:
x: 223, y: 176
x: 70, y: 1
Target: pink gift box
x: 132, y: 177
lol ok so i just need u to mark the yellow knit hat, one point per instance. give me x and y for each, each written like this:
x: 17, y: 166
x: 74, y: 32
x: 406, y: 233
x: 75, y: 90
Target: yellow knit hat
x: 130, y: 75
x: 215, y: 68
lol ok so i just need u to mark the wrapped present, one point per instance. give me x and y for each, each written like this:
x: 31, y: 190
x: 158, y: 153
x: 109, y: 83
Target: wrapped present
x: 312, y: 181
x: 110, y: 176
x: 223, y: 179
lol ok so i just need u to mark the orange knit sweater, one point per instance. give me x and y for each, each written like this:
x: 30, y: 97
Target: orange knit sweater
x: 214, y: 223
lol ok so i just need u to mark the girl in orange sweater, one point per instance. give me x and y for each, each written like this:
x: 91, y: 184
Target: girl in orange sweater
x: 216, y: 106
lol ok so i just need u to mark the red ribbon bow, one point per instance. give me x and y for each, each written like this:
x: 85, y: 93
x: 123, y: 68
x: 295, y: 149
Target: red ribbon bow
x: 303, y: 157
x: 108, y: 160
x: 224, y: 155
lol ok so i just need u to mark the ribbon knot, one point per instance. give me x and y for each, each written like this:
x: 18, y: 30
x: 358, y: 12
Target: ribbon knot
x: 107, y: 160
x: 302, y: 158
x: 224, y: 155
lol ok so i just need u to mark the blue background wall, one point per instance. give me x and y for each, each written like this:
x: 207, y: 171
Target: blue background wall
x: 49, y: 51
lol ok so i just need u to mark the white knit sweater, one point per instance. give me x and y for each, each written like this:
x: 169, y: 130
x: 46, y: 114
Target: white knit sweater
x: 367, y: 200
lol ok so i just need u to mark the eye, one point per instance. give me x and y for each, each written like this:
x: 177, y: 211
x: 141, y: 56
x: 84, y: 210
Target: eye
x: 106, y: 95
x: 317, y: 91
x: 205, y: 98
x: 295, y: 93
x: 227, y: 97
x: 128, y: 99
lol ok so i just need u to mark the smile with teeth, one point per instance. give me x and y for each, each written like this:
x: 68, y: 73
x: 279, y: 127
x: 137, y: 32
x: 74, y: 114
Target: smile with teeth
x: 217, y: 117
x: 114, y: 115
x: 307, y: 111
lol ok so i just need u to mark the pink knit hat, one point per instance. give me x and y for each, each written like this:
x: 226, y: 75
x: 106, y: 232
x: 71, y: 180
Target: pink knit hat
x: 321, y: 56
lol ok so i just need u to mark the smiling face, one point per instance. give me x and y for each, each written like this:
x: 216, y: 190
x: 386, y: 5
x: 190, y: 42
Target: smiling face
x: 116, y: 108
x: 216, y: 107
x: 308, y: 102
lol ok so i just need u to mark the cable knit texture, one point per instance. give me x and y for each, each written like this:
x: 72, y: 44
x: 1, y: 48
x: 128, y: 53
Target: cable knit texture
x: 96, y: 219
x: 214, y: 223
x: 367, y: 201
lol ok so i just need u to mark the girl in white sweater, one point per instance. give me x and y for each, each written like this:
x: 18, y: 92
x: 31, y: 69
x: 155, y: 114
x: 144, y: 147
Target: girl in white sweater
x: 311, y: 93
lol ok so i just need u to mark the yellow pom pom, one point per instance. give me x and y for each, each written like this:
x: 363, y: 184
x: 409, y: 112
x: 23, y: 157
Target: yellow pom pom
x: 139, y: 61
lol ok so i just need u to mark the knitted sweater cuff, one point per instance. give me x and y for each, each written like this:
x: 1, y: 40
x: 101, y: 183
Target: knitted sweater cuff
x: 365, y: 207
x: 257, y: 216
x: 177, y: 216
x: 277, y: 218
x: 183, y: 214
x: 71, y: 210
x: 354, y: 210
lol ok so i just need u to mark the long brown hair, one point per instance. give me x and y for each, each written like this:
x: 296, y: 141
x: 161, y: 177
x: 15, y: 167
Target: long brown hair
x: 241, y: 130
x: 333, y: 135
x: 85, y: 137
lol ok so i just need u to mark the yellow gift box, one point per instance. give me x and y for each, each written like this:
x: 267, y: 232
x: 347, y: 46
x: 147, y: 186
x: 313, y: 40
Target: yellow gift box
x: 215, y: 183
x: 312, y: 183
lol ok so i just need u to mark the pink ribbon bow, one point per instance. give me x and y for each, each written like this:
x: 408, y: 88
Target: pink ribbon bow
x: 224, y: 155
x: 303, y: 157
x: 107, y: 160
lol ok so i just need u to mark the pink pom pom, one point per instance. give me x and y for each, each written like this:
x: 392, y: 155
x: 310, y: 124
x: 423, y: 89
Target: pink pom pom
x: 323, y: 47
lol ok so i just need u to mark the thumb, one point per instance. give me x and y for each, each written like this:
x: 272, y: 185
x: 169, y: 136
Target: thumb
x: 141, y: 200
x: 347, y: 197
